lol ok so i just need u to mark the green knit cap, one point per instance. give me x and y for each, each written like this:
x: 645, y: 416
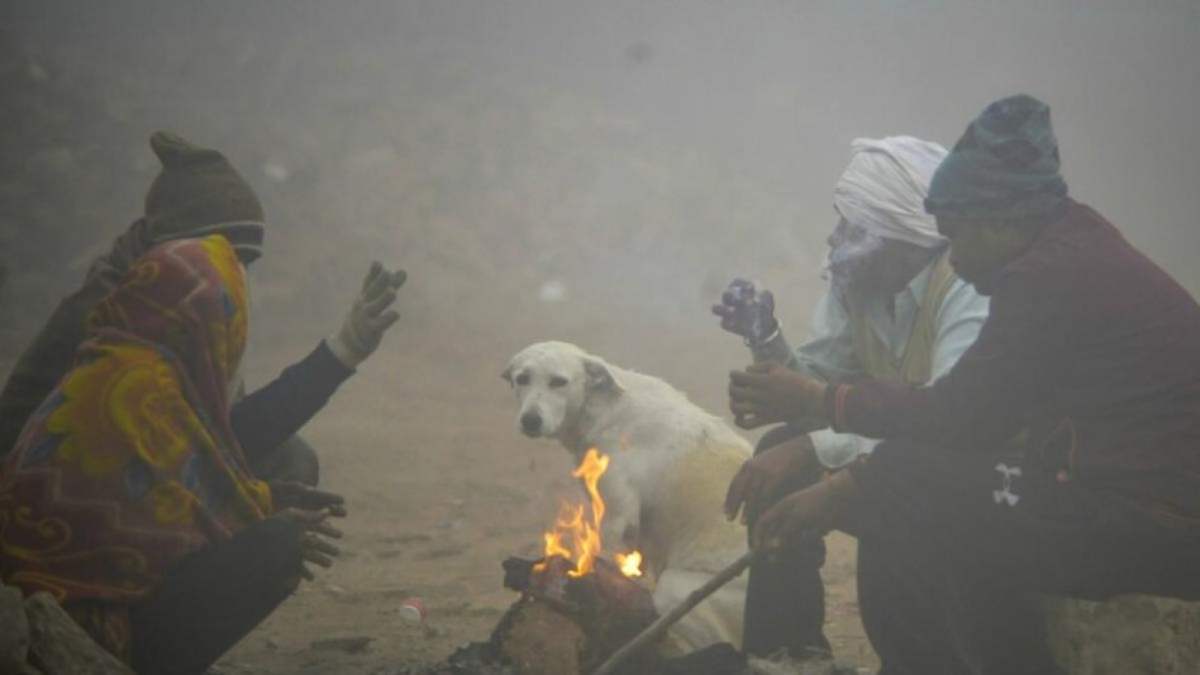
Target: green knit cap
x: 1005, y: 166
x: 197, y: 193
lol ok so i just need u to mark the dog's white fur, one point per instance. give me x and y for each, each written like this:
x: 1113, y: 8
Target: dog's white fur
x: 665, y: 485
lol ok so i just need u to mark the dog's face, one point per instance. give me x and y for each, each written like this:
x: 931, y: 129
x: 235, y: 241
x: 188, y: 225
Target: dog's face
x: 552, y: 381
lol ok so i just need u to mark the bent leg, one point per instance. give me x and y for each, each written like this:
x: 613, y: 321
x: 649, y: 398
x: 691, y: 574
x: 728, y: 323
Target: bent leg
x: 785, y: 596
x: 213, y: 598
x: 959, y: 543
x: 292, y: 460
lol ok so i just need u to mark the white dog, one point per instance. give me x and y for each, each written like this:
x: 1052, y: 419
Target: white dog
x: 665, y: 485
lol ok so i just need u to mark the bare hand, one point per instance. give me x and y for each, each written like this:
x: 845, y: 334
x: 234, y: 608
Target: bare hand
x: 313, y: 549
x: 758, y: 483
x: 767, y: 393
x: 812, y: 510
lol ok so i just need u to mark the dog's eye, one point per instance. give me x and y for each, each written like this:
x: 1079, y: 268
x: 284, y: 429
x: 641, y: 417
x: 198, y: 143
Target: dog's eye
x: 522, y: 379
x: 558, y: 381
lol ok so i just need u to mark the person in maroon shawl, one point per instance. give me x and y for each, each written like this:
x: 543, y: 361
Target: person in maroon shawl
x: 1060, y: 455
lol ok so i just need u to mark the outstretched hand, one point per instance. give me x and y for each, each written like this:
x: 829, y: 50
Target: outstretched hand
x: 768, y: 393
x: 370, y: 316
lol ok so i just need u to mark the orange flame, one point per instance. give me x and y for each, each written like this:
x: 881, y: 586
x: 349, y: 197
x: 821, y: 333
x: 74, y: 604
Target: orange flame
x: 631, y: 564
x: 582, y: 533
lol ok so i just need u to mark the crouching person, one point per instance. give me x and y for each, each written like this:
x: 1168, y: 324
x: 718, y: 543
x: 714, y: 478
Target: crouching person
x: 894, y: 311
x: 1057, y: 456
x: 128, y: 495
x: 199, y: 193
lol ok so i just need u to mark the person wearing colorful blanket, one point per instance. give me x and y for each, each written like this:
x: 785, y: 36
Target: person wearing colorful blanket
x: 197, y: 193
x: 894, y: 311
x: 1059, y: 455
x: 128, y: 496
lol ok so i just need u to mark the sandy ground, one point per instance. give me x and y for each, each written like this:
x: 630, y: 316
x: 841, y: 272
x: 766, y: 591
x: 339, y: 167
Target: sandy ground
x: 441, y: 488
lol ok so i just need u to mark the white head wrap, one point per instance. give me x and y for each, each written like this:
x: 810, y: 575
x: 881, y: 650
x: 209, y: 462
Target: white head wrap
x: 883, y: 189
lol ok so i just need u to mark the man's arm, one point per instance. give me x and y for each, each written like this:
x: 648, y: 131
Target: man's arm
x: 984, y: 398
x: 273, y: 414
x: 276, y: 412
x: 961, y: 315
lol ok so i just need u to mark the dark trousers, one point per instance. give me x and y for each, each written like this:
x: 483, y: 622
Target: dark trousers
x: 785, y: 597
x: 953, y: 547
x: 211, y: 599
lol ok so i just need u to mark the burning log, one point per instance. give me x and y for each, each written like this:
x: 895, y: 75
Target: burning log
x: 609, y: 607
x: 561, y: 624
x: 576, y: 606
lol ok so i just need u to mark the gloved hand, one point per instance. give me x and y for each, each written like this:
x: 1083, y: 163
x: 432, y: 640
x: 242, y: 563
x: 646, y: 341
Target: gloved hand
x: 369, y: 317
x: 746, y: 311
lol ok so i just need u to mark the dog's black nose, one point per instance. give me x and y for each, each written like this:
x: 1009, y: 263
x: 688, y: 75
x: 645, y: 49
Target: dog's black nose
x: 531, y: 422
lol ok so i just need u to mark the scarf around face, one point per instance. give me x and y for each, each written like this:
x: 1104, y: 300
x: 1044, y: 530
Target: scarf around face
x: 131, y: 462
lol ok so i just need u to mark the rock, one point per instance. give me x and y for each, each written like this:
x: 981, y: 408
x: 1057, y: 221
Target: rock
x: 1127, y: 635
x: 59, y: 646
x: 14, y: 630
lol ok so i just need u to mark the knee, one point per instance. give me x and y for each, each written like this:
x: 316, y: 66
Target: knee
x: 293, y: 460
x: 305, y: 467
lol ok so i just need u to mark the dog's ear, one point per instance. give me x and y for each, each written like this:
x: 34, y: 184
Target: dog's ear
x: 600, y: 377
x: 507, y: 374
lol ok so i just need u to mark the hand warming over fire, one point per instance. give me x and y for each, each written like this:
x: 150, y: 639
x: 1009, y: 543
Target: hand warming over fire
x: 766, y: 393
x: 813, y: 510
x: 758, y: 483
x: 307, y: 510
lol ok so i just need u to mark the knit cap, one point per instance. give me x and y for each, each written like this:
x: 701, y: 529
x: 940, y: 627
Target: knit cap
x: 1006, y: 165
x: 197, y: 193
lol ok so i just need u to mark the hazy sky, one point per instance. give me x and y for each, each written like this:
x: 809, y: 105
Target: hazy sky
x: 765, y: 93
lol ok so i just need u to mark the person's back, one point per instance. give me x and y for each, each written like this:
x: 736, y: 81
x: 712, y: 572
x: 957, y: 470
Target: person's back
x: 1121, y: 379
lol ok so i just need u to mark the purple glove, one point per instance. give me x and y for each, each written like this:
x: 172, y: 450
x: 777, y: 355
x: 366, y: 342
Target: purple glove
x: 747, y: 312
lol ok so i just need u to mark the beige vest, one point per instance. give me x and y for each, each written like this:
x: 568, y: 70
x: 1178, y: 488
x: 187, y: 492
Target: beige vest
x: 915, y: 366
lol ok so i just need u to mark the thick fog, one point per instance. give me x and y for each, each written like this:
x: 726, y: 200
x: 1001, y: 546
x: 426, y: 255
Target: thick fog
x: 640, y: 153
x: 590, y: 171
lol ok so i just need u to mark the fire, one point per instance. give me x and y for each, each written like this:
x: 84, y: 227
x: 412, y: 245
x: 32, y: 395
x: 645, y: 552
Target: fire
x: 576, y: 533
x: 631, y: 564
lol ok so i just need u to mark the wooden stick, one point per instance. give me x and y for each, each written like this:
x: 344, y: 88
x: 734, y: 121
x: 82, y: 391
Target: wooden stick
x: 660, y: 626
